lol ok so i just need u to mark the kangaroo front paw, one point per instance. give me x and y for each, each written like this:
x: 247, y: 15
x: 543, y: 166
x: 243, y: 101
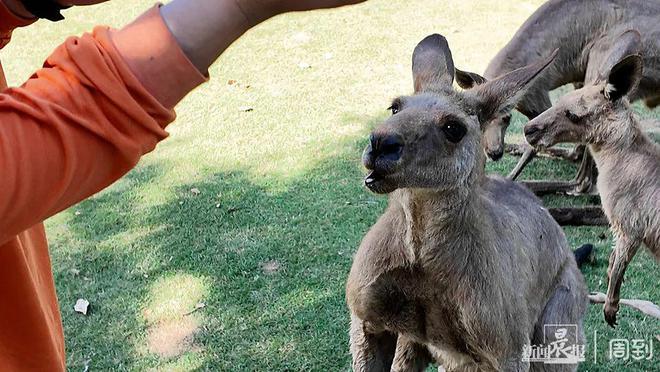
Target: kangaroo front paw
x: 610, y: 311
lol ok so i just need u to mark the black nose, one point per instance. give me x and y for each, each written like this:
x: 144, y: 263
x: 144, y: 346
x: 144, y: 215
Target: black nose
x: 386, y: 146
x: 496, y: 155
x: 530, y: 130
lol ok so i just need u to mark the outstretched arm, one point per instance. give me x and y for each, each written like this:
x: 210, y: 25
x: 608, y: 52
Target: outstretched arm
x: 207, y: 29
x: 103, y: 100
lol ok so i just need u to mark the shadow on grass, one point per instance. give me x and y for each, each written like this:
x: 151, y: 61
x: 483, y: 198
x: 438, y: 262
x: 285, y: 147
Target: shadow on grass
x: 290, y: 315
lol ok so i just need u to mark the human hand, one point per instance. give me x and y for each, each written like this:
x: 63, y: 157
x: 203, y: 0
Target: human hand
x: 257, y: 11
x: 17, y: 7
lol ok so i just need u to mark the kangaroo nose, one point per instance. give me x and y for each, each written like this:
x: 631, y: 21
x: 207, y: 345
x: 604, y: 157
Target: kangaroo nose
x: 496, y: 154
x: 387, y: 147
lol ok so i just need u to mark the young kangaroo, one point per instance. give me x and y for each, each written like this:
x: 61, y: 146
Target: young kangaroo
x: 628, y: 161
x: 583, y: 31
x: 461, y: 268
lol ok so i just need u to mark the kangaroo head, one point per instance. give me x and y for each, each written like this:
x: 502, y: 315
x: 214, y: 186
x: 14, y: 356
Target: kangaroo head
x: 597, y: 113
x: 433, y: 138
x: 493, y: 130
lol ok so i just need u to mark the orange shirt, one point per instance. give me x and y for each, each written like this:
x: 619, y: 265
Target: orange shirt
x: 100, y: 102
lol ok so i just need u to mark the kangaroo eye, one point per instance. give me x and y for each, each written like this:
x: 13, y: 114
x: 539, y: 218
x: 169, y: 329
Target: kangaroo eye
x: 394, y: 108
x: 454, y: 131
x: 572, y: 117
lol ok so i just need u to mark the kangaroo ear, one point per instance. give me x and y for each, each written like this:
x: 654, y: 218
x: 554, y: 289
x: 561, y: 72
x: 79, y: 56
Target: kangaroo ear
x: 500, y: 96
x: 608, y: 51
x: 468, y: 80
x: 624, y: 77
x: 432, y: 64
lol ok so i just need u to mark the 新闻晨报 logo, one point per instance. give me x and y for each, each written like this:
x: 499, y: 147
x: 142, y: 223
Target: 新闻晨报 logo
x: 561, y: 345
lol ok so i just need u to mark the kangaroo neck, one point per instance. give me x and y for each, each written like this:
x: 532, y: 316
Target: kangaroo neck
x: 432, y: 214
x: 621, y: 141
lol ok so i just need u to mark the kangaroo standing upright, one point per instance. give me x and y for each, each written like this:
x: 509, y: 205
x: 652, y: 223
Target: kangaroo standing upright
x: 461, y: 268
x: 628, y: 161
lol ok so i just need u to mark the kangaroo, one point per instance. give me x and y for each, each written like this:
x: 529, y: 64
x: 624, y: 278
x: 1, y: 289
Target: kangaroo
x: 583, y: 31
x: 628, y: 160
x: 462, y: 268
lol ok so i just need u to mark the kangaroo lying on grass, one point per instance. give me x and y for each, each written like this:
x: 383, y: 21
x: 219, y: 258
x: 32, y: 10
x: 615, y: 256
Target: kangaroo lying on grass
x: 628, y: 161
x: 462, y: 268
x: 584, y: 32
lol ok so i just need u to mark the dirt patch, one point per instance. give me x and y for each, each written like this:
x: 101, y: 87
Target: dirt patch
x: 171, y: 338
x: 270, y: 267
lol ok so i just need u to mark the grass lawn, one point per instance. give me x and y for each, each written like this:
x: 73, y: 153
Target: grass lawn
x: 256, y: 214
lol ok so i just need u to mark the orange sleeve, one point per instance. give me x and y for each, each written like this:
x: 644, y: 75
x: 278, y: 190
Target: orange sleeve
x: 86, y: 118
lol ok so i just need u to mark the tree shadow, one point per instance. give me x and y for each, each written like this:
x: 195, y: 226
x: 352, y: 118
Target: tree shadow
x: 256, y: 317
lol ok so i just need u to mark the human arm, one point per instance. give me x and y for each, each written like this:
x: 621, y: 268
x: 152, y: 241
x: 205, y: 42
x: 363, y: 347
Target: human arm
x: 100, y: 102
x: 206, y: 30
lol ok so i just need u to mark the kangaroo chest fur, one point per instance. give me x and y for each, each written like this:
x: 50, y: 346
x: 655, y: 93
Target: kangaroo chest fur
x: 422, y: 293
x: 409, y: 301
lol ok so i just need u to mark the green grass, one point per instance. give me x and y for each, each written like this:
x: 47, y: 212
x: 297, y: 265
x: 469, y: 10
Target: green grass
x: 281, y: 183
